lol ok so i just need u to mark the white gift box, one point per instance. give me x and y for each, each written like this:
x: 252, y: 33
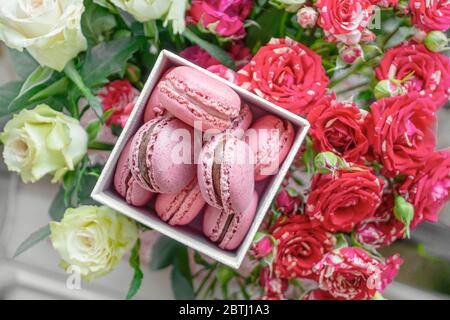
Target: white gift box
x: 192, y: 235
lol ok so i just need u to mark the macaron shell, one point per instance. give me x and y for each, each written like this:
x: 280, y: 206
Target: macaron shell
x: 205, y: 169
x: 126, y: 185
x: 237, y: 181
x: 270, y: 138
x: 242, y: 122
x: 240, y: 225
x: 214, y: 221
x: 154, y: 108
x: 170, y: 172
x: 180, y: 208
x: 193, y: 96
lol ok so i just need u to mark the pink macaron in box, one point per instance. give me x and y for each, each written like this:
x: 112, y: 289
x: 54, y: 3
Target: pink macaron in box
x: 199, y: 160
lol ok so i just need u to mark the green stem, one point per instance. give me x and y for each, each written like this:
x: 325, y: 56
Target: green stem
x: 353, y: 88
x: 205, y: 280
x: 351, y: 72
x: 100, y: 146
x: 73, y: 74
x: 283, y: 24
x: 389, y: 37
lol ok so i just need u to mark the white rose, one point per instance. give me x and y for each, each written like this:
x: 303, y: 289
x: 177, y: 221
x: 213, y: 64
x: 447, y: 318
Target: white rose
x: 49, y: 29
x: 145, y: 10
x: 43, y: 141
x: 93, y: 239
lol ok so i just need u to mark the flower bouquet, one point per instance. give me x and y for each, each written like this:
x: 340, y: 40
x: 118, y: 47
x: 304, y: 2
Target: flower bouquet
x: 368, y: 75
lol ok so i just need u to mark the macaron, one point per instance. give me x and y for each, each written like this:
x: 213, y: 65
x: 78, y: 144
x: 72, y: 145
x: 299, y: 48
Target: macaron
x: 154, y: 108
x: 193, y: 96
x: 242, y: 122
x: 225, y: 173
x: 228, y: 230
x: 182, y: 207
x: 126, y: 185
x: 153, y: 159
x: 270, y: 138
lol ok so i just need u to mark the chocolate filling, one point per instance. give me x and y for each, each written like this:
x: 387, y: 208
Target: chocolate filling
x: 216, y: 170
x: 143, y: 155
x: 225, y: 228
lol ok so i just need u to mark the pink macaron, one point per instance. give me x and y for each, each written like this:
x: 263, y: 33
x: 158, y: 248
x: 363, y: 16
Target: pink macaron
x: 229, y: 230
x: 180, y: 208
x: 270, y: 138
x: 242, y: 122
x: 126, y: 185
x: 225, y: 173
x: 161, y: 156
x: 154, y: 108
x: 194, y: 97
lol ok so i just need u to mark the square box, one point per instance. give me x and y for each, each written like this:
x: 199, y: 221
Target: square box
x: 192, y: 235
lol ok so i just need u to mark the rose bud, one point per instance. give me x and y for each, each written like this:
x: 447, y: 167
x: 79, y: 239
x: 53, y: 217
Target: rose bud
x: 307, y: 17
x: 133, y: 73
x: 262, y: 245
x: 419, y: 36
x: 286, y: 203
x: 272, y: 285
x: 404, y: 212
x: 349, y: 54
x: 436, y: 41
x: 368, y: 36
x: 387, y: 88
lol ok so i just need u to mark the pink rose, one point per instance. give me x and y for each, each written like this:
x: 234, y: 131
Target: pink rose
x: 262, y: 247
x: 401, y: 132
x: 368, y: 36
x: 430, y: 15
x: 349, y: 274
x: 429, y: 189
x: 383, y: 228
x: 385, y: 3
x: 224, y: 72
x: 286, y: 73
x: 272, y: 286
x: 307, y: 17
x: 288, y: 204
x: 344, y: 20
x: 120, y: 96
x: 318, y: 294
x: 390, y: 270
x: 223, y: 17
x: 238, y: 52
x: 419, y: 69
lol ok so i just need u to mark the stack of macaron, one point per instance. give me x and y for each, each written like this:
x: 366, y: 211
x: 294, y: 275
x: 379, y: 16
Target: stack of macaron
x: 219, y: 181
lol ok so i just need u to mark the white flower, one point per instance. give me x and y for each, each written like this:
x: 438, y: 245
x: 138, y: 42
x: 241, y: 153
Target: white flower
x: 292, y: 5
x: 93, y: 239
x: 49, y: 29
x: 147, y: 10
x: 43, y: 141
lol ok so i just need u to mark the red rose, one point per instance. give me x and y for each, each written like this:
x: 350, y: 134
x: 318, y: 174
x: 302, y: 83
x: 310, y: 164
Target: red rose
x: 401, y: 132
x: 338, y: 202
x: 343, y: 20
x: 338, y: 127
x: 120, y: 96
x: 420, y: 70
x: 383, y: 229
x: 223, y: 17
x: 390, y: 270
x: 429, y: 189
x: 286, y: 203
x: 349, y: 274
x: 240, y: 54
x: 385, y: 3
x: 287, y: 74
x: 318, y: 294
x: 272, y: 285
x: 300, y: 246
x: 430, y: 15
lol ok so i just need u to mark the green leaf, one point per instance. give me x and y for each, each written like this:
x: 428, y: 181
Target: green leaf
x: 36, y: 78
x: 56, y: 88
x: 108, y: 58
x: 33, y: 239
x: 181, y: 277
x: 135, y: 263
x: 163, y: 253
x: 201, y: 261
x: 23, y: 63
x: 97, y: 23
x: 269, y: 21
x: 224, y: 276
x: 58, y: 207
x: 8, y: 93
x: 212, y: 49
